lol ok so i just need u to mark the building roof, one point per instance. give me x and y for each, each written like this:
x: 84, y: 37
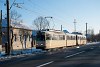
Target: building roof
x: 15, y: 25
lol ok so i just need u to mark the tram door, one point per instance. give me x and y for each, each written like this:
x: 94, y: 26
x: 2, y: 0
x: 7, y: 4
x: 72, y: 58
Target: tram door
x: 77, y: 40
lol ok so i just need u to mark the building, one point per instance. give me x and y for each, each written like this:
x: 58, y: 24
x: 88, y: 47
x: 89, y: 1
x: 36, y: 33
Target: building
x: 20, y: 35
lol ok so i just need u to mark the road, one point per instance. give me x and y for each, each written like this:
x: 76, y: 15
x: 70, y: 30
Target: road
x: 85, y: 56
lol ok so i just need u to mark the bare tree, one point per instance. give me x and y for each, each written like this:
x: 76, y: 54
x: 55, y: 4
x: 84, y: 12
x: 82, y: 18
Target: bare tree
x: 41, y: 23
x: 14, y: 15
x: 90, y: 35
x: 90, y: 31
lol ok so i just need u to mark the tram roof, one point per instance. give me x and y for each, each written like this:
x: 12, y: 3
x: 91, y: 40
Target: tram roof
x: 54, y: 31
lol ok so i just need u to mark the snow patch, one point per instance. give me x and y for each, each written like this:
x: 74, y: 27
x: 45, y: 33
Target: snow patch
x: 20, y: 53
x: 92, y: 43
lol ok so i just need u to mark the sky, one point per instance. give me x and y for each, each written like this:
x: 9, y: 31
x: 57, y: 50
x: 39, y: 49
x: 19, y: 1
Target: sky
x: 63, y: 12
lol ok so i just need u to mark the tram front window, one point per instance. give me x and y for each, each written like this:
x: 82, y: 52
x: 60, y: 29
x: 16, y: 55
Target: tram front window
x: 40, y: 37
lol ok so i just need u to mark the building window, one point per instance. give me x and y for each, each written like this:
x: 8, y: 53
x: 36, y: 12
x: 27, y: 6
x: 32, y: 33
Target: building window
x: 29, y: 37
x: 20, y: 37
x: 15, y: 37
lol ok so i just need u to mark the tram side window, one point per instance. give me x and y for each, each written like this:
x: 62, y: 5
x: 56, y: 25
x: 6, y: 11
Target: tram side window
x: 68, y: 38
x: 78, y: 38
x: 72, y: 37
x: 48, y: 37
x: 61, y: 37
x: 55, y: 37
x: 83, y: 38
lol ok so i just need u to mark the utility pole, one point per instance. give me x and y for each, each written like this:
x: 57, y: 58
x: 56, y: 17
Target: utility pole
x: 99, y: 31
x: 74, y: 25
x: 0, y: 29
x: 86, y: 32
x: 61, y: 27
x: 8, y: 28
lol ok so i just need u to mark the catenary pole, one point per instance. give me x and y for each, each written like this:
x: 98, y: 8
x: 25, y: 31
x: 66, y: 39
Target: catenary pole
x: 86, y: 32
x: 1, y: 28
x: 8, y: 28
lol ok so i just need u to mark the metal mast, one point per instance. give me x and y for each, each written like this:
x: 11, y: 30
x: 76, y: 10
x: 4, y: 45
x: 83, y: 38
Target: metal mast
x: 86, y: 32
x: 74, y: 25
x: 1, y: 28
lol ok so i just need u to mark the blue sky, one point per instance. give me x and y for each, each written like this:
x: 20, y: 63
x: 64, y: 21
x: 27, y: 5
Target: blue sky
x: 63, y: 12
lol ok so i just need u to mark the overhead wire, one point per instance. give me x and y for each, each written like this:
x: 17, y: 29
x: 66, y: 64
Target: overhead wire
x: 31, y: 11
x: 57, y: 18
x: 12, y: 4
x: 27, y: 9
x: 2, y: 7
x: 2, y: 1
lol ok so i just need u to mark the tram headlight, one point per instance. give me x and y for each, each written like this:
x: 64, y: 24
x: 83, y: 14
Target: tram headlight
x: 41, y: 44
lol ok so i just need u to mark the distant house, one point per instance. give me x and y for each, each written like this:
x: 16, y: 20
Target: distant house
x: 20, y: 35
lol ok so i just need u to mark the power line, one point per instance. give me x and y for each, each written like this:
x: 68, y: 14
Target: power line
x: 2, y: 1
x: 31, y: 10
x: 12, y: 4
x: 63, y: 22
x: 38, y: 13
x: 43, y: 9
x: 52, y: 12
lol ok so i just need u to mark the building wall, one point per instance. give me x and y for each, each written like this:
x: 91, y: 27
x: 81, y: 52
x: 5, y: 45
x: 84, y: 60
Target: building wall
x: 20, y: 38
